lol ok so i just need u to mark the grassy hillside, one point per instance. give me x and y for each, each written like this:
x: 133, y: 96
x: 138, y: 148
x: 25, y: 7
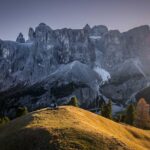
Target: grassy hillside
x: 70, y: 128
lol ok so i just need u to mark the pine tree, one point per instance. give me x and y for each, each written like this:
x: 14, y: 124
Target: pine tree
x: 73, y: 101
x: 130, y: 114
x: 106, y: 110
x: 109, y: 105
x: 21, y: 111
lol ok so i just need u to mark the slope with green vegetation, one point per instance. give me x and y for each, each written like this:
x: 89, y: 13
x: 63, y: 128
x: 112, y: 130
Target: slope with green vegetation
x: 70, y: 128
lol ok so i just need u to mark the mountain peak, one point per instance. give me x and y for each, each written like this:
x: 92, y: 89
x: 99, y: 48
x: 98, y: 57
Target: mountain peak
x: 87, y: 27
x: 20, y: 38
x: 43, y: 26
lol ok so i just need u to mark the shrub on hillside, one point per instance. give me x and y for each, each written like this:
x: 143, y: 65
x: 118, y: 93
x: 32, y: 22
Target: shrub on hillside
x: 120, y: 116
x: 4, y: 120
x: 21, y: 111
x: 73, y: 101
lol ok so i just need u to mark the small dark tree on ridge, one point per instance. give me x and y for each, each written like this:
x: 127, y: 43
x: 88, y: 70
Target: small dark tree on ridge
x: 21, y: 111
x: 73, y: 101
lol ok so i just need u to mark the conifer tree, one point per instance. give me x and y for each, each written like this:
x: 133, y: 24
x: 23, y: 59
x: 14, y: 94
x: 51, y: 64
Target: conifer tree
x: 21, y: 111
x: 130, y: 114
x: 73, y: 101
x: 109, y: 105
x: 106, y: 110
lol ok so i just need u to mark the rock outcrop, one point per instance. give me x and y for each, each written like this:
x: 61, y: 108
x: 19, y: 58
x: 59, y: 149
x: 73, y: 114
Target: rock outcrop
x: 20, y: 38
x: 65, y: 59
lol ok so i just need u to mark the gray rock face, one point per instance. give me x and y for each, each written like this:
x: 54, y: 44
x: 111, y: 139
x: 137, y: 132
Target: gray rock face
x: 132, y: 80
x: 99, y: 30
x: 127, y: 59
x: 84, y: 62
x: 31, y: 34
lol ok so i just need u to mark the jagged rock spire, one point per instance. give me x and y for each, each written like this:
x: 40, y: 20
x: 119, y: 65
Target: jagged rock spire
x: 20, y: 38
x: 87, y: 27
x: 42, y: 32
x: 31, y: 34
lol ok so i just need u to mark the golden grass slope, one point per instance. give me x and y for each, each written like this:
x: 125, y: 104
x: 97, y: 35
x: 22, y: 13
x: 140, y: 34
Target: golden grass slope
x: 70, y: 128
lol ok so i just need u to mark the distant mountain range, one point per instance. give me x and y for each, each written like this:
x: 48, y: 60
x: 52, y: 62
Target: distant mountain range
x: 95, y: 64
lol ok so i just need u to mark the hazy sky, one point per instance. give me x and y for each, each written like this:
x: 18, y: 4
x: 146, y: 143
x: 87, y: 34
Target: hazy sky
x: 18, y: 15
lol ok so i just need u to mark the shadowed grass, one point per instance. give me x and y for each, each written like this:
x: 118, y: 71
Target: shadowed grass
x: 70, y: 128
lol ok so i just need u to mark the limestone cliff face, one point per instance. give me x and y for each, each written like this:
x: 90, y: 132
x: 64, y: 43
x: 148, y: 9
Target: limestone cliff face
x: 116, y: 64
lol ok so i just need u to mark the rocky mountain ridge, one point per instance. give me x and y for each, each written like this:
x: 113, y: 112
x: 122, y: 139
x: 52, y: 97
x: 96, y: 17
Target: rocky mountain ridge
x: 91, y: 63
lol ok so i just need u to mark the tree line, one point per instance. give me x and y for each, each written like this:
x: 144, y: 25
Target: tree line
x: 128, y: 116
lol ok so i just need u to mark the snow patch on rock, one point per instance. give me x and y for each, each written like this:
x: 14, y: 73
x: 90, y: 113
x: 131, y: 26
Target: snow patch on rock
x: 138, y: 64
x: 102, y: 73
x: 5, y: 53
x: 50, y: 46
x: 95, y: 37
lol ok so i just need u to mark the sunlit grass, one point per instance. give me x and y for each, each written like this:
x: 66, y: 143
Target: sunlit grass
x: 71, y: 128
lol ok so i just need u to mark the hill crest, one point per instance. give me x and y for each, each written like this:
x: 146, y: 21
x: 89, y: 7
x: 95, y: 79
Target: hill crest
x: 70, y: 128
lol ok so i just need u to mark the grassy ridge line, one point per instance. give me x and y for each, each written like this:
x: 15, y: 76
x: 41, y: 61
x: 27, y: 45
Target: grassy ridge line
x: 131, y: 136
x: 70, y: 128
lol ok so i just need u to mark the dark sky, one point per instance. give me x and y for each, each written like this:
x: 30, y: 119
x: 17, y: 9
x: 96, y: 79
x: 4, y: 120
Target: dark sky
x: 18, y: 15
